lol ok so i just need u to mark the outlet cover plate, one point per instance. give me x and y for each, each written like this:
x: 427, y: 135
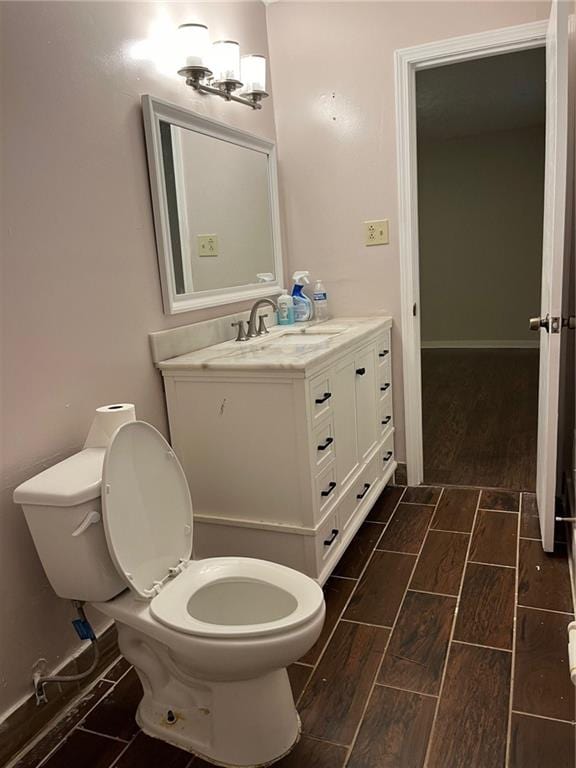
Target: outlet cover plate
x: 376, y: 232
x: 207, y: 245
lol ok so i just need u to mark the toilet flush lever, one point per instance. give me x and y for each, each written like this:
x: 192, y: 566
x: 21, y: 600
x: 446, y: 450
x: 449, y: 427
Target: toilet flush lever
x: 91, y: 518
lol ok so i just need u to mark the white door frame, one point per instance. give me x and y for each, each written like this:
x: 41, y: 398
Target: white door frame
x: 407, y: 62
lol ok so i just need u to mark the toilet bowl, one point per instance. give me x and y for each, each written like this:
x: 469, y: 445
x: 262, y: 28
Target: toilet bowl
x: 209, y: 639
x: 213, y: 683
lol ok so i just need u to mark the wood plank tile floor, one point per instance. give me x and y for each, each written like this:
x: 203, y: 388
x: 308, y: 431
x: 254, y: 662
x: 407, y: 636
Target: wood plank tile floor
x: 480, y: 412
x: 445, y: 646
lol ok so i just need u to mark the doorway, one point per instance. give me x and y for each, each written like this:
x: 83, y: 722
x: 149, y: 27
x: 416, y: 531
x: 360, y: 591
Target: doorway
x: 480, y: 170
x: 557, y: 35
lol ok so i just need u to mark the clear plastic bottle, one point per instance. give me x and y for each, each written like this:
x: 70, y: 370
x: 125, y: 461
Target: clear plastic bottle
x: 320, y: 298
x: 285, y: 309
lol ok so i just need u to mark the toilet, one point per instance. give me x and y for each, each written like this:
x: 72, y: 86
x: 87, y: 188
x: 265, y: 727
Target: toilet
x: 210, y: 639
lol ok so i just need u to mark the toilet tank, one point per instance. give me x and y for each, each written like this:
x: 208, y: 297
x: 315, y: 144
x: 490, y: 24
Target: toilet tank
x: 62, y: 506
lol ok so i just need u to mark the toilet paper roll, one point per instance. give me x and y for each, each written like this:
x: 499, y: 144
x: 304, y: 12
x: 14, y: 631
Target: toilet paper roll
x: 106, y: 421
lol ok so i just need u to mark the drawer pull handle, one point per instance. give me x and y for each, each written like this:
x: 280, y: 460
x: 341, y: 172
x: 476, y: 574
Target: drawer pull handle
x: 329, y: 490
x: 386, y: 420
x: 326, y: 396
x: 364, y: 492
x: 331, y: 540
x: 360, y: 371
x: 387, y: 456
x: 329, y: 441
x: 383, y: 353
x: 382, y: 388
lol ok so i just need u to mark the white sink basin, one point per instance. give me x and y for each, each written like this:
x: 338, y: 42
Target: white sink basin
x: 318, y: 330
x: 290, y: 339
x: 304, y: 337
x: 297, y: 340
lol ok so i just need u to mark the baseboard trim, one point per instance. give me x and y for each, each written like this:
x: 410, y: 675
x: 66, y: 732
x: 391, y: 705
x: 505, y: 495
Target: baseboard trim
x: 400, y: 475
x: 27, y: 719
x: 482, y: 344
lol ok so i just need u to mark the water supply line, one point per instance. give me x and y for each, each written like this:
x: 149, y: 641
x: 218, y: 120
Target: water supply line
x: 85, y: 632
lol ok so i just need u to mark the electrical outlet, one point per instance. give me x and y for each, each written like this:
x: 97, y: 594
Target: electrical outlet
x: 207, y: 245
x: 376, y: 232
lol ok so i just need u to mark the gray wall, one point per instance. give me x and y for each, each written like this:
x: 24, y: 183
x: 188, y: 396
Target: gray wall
x: 480, y: 217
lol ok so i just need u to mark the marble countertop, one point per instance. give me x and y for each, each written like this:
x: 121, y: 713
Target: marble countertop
x: 303, y: 345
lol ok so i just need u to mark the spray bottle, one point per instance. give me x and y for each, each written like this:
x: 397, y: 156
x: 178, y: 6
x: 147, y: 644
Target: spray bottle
x: 303, y: 309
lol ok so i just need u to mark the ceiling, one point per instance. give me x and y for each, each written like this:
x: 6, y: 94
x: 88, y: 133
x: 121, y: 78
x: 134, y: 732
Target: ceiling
x: 498, y: 93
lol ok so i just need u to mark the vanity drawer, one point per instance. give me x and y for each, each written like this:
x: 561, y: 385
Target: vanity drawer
x: 328, y: 538
x: 359, y: 490
x: 383, y: 348
x: 326, y: 488
x: 384, y: 379
x: 323, y: 445
x: 386, y: 452
x: 385, y: 415
x: 321, y: 396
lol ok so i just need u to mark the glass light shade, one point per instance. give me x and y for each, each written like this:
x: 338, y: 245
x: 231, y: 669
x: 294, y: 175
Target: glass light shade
x: 226, y: 60
x: 253, y: 72
x: 194, y: 44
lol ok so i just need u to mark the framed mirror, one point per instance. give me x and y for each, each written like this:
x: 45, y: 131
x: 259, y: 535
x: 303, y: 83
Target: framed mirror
x: 215, y: 200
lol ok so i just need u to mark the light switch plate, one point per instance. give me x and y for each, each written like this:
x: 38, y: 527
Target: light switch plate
x: 376, y: 232
x: 207, y: 245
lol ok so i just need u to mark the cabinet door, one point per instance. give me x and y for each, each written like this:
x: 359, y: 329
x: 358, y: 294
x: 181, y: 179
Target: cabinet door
x: 345, y: 420
x: 366, y: 401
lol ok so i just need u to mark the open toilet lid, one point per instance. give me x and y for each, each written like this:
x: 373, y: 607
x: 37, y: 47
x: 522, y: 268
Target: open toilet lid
x: 146, y: 506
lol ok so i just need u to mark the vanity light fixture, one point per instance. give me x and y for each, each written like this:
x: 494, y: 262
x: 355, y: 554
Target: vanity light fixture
x: 221, y: 71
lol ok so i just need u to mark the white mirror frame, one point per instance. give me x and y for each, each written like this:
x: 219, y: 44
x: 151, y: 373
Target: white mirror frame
x: 155, y: 111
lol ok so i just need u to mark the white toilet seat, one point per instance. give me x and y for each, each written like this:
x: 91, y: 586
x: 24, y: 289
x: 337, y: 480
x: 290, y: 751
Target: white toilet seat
x: 146, y: 508
x: 235, y: 597
x: 147, y: 513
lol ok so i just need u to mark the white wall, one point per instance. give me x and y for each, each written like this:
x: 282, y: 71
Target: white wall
x: 480, y: 217
x: 81, y: 288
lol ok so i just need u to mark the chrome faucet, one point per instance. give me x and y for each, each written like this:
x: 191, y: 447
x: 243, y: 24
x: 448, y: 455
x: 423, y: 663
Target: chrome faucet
x: 252, y: 330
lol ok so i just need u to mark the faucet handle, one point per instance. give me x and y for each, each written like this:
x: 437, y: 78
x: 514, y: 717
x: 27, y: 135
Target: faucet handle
x: 262, y: 325
x: 241, y: 336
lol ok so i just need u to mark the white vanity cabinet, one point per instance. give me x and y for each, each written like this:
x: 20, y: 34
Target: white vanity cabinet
x: 285, y: 461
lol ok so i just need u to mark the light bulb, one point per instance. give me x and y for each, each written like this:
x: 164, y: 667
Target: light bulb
x: 253, y: 72
x: 194, y: 44
x: 225, y: 60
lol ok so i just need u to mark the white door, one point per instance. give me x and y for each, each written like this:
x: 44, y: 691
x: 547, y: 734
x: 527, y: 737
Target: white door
x: 553, y: 253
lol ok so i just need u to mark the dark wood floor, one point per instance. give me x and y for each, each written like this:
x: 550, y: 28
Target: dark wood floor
x: 444, y: 646
x: 480, y: 411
